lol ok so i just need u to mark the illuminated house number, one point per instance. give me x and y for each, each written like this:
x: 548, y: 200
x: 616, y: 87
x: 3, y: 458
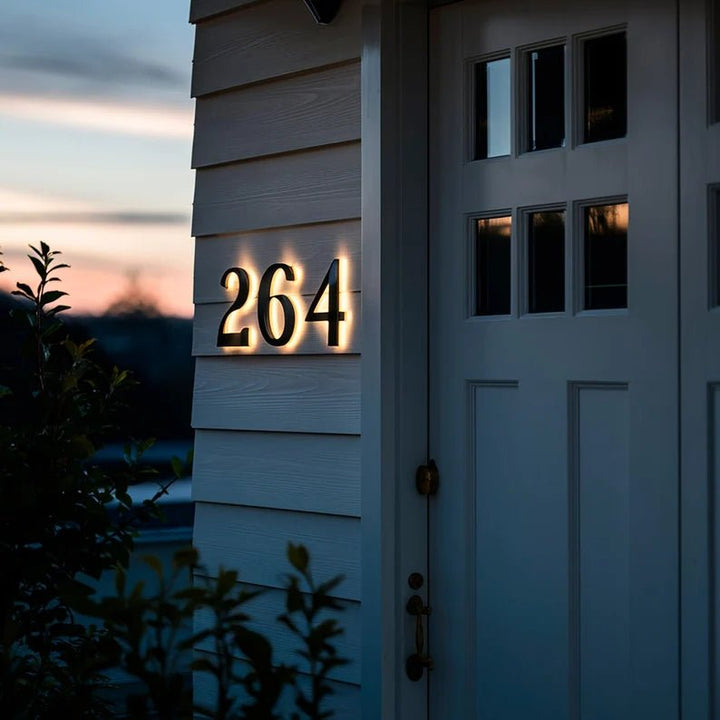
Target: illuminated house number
x: 273, y: 335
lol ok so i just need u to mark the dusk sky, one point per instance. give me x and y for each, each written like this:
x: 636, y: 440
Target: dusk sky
x: 95, y: 140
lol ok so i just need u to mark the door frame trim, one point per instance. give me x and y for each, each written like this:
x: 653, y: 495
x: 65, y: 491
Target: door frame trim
x: 394, y: 403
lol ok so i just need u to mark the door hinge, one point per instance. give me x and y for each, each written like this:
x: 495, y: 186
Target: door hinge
x: 427, y: 478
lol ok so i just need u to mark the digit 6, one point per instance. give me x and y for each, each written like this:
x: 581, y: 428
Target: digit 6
x: 264, y: 298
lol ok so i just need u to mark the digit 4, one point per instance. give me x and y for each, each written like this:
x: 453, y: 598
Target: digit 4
x: 333, y: 315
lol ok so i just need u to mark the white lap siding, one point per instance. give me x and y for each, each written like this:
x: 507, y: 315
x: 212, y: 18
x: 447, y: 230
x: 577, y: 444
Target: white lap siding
x: 277, y: 159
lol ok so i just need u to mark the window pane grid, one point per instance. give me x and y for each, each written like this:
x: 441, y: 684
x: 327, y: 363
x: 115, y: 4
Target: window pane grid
x: 493, y: 272
x: 546, y: 261
x: 492, y: 108
x: 605, y: 256
x: 605, y: 88
x: 546, y: 98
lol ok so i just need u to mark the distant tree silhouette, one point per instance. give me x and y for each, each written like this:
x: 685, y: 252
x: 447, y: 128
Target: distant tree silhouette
x: 134, y: 300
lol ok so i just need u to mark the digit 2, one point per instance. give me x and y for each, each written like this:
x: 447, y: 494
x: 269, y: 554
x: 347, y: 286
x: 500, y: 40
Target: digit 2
x: 241, y: 338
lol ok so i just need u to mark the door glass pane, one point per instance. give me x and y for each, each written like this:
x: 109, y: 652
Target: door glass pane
x: 605, y: 91
x: 714, y: 60
x: 605, y: 254
x: 714, y: 244
x: 546, y: 261
x: 492, y: 265
x: 546, y: 98
x: 492, y: 109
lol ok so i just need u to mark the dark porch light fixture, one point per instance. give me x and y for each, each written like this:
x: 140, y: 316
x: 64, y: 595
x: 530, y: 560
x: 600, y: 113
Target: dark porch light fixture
x: 323, y: 10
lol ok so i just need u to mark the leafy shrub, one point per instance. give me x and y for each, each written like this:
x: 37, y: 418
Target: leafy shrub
x: 56, y: 524
x: 64, y: 519
x: 151, y: 633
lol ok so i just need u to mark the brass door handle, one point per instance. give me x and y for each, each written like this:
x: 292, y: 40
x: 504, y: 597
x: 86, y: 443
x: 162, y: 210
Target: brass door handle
x: 417, y: 662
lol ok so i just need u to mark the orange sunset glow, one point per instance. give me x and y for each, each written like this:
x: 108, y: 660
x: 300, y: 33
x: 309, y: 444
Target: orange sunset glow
x: 96, y: 127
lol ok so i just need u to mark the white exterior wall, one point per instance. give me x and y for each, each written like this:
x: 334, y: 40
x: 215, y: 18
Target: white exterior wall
x: 277, y: 154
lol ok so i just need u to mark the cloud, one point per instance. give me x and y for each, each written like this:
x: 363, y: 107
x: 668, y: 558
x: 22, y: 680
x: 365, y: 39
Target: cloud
x: 29, y: 202
x: 106, y: 65
x: 94, y: 218
x: 137, y: 238
x: 35, y: 45
x: 99, y: 53
x: 125, y: 118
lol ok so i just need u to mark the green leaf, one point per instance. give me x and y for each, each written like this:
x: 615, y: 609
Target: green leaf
x: 26, y: 290
x: 329, y: 585
x: 51, y: 296
x: 82, y: 446
x: 187, y: 557
x: 120, y: 581
x: 225, y: 581
x: 153, y: 561
x: 193, y: 594
x: 58, y: 309
x: 177, y: 466
x: 294, y: 600
x: 45, y: 248
x: 298, y: 557
x: 137, y: 591
x: 285, y: 620
x: 254, y: 646
x: 39, y: 267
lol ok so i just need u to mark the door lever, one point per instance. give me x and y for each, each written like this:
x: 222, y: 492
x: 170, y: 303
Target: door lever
x: 417, y: 662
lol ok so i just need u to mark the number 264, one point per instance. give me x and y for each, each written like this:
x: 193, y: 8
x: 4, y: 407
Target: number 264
x: 281, y: 336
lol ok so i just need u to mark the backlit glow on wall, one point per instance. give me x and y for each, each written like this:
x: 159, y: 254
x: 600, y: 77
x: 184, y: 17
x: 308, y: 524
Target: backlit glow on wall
x: 276, y: 307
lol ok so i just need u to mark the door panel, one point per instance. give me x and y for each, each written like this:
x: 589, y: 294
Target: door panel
x: 600, y: 583
x: 520, y: 532
x: 553, y: 551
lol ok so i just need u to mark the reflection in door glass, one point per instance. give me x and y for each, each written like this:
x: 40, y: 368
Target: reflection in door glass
x: 546, y: 261
x: 605, y: 253
x: 605, y: 91
x: 714, y: 244
x: 714, y: 60
x: 492, y: 109
x: 546, y: 98
x: 492, y: 265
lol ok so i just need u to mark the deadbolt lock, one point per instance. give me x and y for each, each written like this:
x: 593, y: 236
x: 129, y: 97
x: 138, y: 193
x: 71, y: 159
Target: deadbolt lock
x: 427, y: 478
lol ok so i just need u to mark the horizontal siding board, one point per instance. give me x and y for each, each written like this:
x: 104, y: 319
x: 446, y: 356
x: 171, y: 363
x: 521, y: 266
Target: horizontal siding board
x: 313, y: 247
x: 313, y: 394
x: 302, y: 188
x: 320, y: 108
x: 264, y: 611
x: 345, y: 699
x: 269, y: 39
x: 309, y: 339
x: 254, y: 542
x: 203, y: 9
x: 285, y: 471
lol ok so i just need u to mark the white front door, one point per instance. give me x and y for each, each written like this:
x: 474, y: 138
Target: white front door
x: 553, y: 573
